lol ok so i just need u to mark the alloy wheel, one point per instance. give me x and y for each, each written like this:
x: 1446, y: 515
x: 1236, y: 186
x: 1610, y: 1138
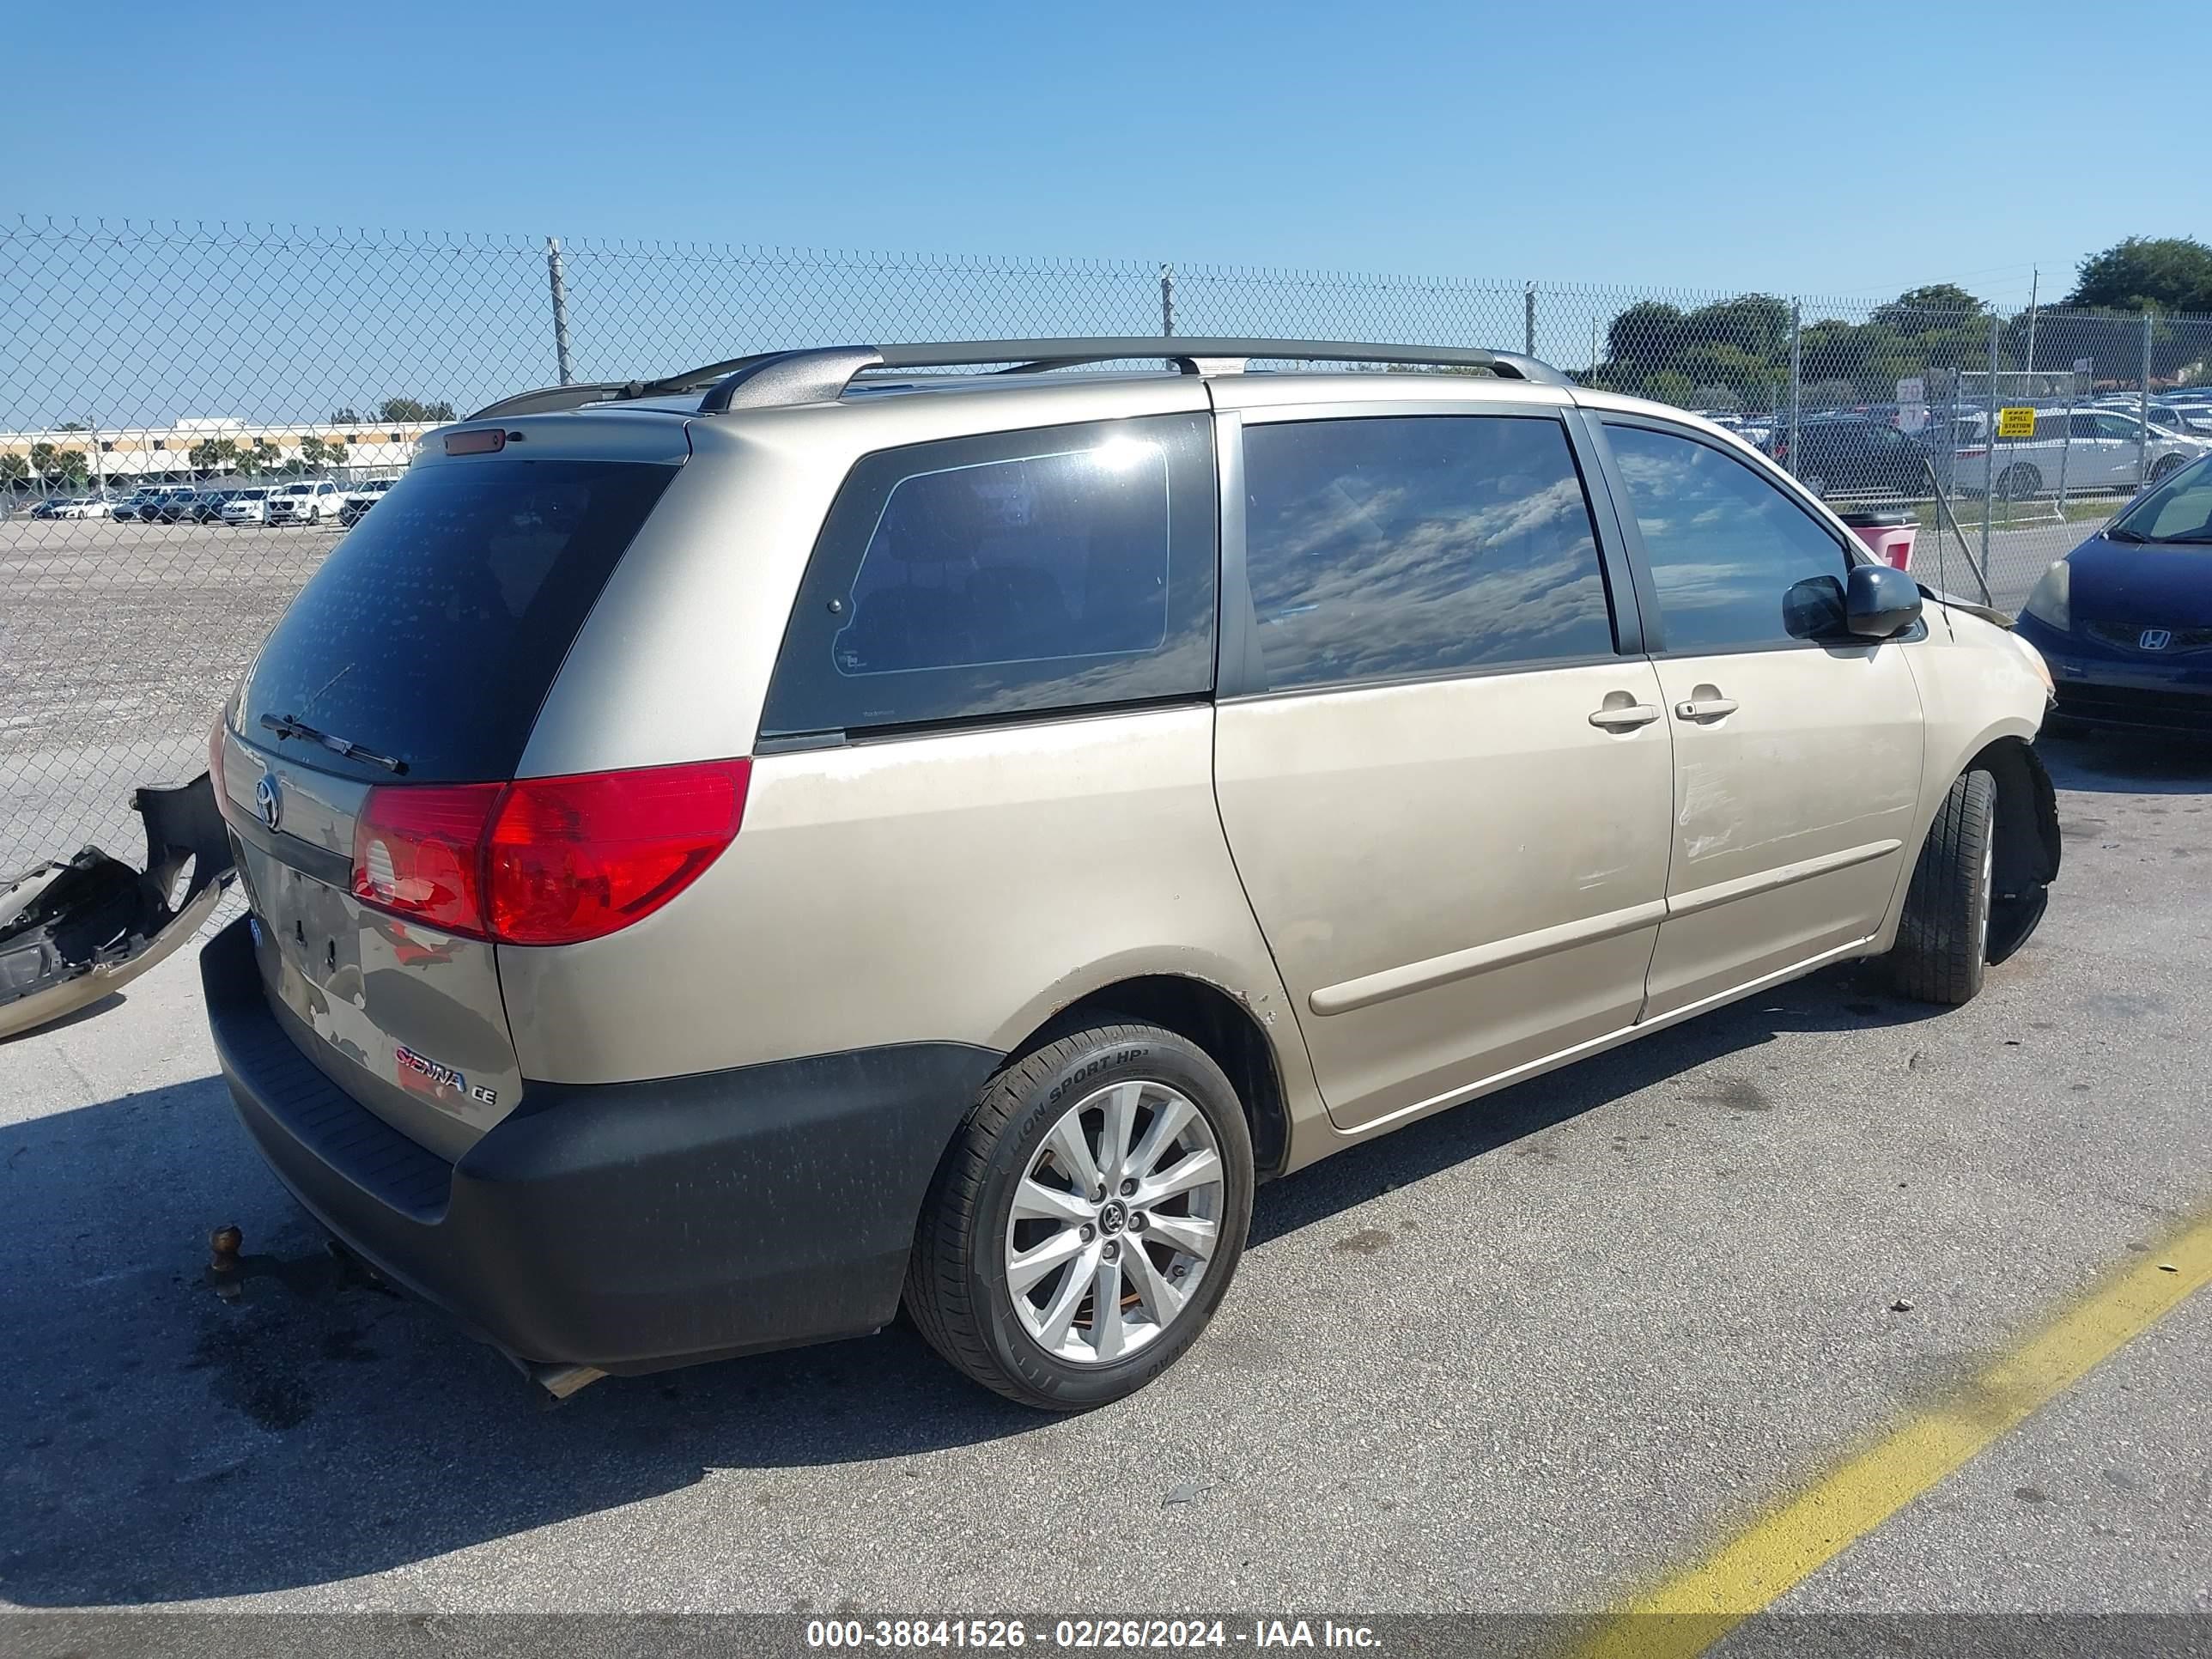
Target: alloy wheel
x: 1115, y: 1223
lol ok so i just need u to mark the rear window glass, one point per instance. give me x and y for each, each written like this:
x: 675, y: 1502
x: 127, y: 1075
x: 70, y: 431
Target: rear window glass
x: 1011, y: 574
x: 435, y: 629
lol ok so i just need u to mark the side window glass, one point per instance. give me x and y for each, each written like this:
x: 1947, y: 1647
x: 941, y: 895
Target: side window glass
x: 1400, y: 547
x: 1737, y: 563
x: 1016, y: 572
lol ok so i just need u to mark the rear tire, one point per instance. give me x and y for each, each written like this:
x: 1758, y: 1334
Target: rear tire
x: 976, y: 1287
x: 1943, y: 939
x: 2165, y: 467
x: 2019, y: 483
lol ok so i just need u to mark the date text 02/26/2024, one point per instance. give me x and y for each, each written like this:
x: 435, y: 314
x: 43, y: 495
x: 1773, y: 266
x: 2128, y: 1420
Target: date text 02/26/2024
x: 1087, y: 1634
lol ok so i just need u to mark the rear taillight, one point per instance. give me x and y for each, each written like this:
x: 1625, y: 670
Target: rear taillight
x: 545, y: 861
x: 418, y: 853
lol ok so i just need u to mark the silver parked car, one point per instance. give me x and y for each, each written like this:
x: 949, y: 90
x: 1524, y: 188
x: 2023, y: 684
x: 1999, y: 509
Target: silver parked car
x: 727, y: 855
x: 2088, y: 449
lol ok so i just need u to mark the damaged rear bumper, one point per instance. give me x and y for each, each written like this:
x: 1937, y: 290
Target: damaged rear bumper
x: 620, y: 1227
x: 73, y: 930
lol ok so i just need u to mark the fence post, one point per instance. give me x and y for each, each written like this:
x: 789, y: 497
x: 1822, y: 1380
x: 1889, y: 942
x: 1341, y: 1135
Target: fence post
x: 2143, y: 412
x: 2066, y: 443
x: 1528, y: 320
x: 1797, y: 379
x: 556, y: 277
x: 1167, y: 301
x: 1989, y: 450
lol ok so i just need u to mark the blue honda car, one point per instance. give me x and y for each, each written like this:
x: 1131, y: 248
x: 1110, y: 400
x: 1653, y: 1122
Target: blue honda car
x: 2125, y: 619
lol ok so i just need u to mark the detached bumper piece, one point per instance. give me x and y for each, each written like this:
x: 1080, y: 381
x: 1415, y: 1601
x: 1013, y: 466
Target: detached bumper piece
x: 76, y: 929
x: 622, y: 1227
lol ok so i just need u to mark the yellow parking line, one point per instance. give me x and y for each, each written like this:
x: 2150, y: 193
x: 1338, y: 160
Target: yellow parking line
x: 1690, y: 1611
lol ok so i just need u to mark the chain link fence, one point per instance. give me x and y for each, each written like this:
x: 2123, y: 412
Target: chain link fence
x: 167, y: 389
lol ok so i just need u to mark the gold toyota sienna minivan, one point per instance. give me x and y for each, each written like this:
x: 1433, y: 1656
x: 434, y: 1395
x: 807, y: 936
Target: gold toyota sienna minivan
x: 728, y: 854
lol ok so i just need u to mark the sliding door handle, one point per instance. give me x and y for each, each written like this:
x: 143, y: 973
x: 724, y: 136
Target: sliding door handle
x: 1625, y: 717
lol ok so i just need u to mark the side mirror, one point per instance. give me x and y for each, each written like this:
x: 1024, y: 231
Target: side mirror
x: 1880, y: 601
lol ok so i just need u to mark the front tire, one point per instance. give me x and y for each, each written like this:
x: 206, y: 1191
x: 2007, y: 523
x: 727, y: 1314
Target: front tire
x: 1943, y: 940
x: 1087, y: 1219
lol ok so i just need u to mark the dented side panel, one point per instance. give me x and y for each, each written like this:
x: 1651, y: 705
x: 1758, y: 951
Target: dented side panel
x: 1794, y: 814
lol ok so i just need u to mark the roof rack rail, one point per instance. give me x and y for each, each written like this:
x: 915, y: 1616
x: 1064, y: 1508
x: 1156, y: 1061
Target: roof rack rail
x: 546, y: 399
x: 823, y: 374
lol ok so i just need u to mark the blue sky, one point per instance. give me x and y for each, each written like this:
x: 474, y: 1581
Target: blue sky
x: 1831, y: 149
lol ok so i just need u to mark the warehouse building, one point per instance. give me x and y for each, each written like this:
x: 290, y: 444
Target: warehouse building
x: 112, y: 458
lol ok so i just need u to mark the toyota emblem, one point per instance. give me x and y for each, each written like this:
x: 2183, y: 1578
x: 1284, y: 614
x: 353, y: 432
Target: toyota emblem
x: 266, y: 798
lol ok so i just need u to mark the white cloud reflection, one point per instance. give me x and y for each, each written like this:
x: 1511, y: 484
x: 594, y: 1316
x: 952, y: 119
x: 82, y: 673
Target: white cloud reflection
x: 1388, y: 547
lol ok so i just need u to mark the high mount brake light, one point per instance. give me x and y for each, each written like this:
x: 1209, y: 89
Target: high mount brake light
x: 545, y: 861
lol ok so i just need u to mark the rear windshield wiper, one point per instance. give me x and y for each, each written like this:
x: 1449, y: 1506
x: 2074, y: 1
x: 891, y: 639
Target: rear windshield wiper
x: 286, y: 725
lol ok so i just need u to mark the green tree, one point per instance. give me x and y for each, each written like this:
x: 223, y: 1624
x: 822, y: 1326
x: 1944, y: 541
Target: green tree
x: 215, y: 455
x: 1720, y: 364
x: 316, y: 452
x: 1739, y: 349
x: 1935, y: 305
x: 2169, y: 273
x: 410, y: 411
x: 53, y: 465
x: 15, y: 471
x: 1644, y: 336
x: 346, y: 417
x: 1832, y: 349
x: 1758, y: 324
x: 70, y: 426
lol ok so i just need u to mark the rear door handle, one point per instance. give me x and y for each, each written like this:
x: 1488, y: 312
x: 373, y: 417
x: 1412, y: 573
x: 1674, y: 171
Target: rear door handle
x: 1705, y: 708
x: 1627, y: 717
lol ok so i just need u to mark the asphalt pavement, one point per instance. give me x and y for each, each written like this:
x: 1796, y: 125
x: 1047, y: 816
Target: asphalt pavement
x: 1521, y: 1357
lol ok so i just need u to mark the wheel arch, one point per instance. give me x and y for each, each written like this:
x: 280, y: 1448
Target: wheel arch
x: 2027, y: 851
x: 1222, y: 1024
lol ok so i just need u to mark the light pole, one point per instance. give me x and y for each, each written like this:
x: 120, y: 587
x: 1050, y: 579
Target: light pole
x: 98, y: 467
